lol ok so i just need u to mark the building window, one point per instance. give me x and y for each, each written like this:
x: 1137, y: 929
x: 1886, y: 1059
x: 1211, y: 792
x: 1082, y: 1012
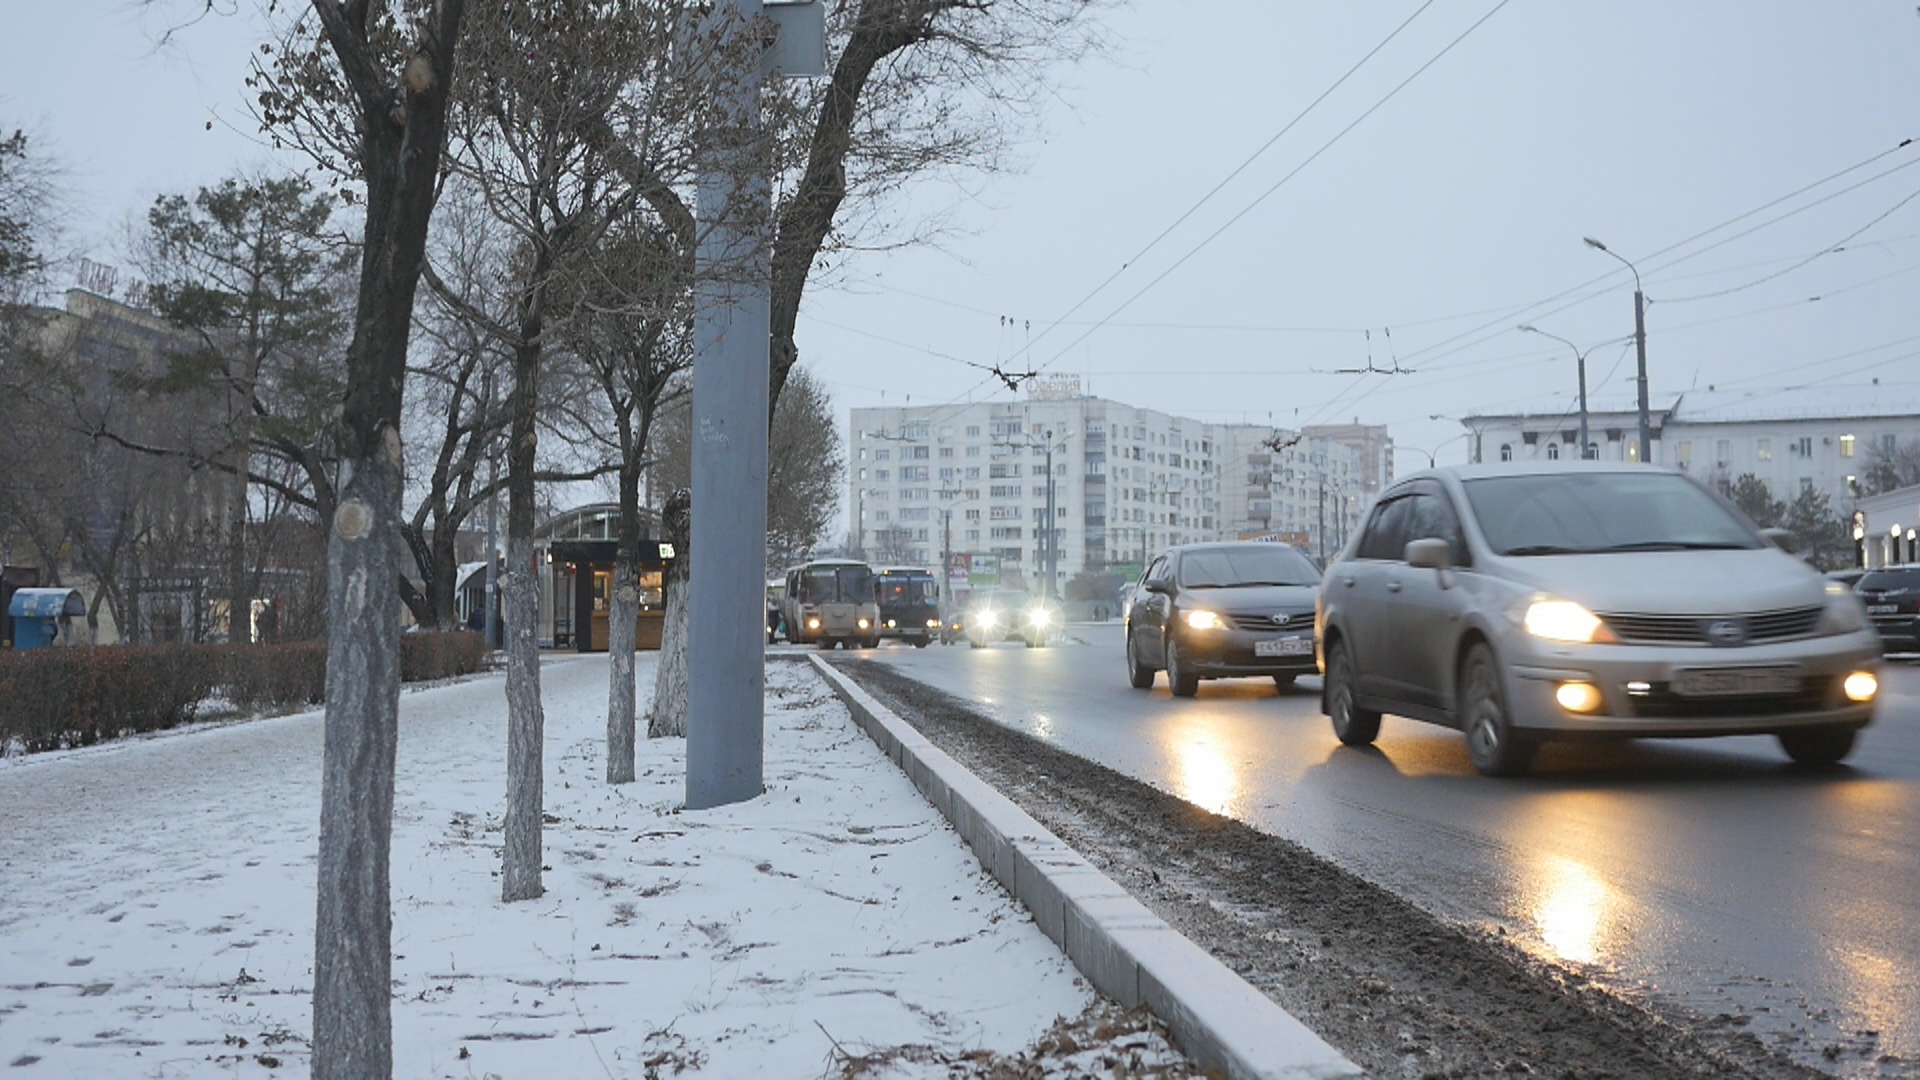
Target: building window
x: 946, y: 451
x: 1683, y: 453
x: 1763, y: 449
x: 1846, y: 446
x: 973, y: 431
x: 1853, y: 487
x: 1553, y: 451
x: 1506, y: 451
x: 1723, y: 452
x: 1803, y: 446
x: 882, y: 455
x: 1888, y: 443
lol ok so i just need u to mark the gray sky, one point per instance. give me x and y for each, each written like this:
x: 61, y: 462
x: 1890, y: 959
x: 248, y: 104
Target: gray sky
x: 1422, y: 234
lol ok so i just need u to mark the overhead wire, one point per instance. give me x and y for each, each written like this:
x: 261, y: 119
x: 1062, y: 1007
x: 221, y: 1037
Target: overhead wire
x: 1242, y: 167
x: 1311, y: 158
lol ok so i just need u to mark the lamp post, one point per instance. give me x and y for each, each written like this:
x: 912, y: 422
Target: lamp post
x: 1049, y: 555
x: 1580, y: 359
x: 1465, y: 423
x: 1640, y: 346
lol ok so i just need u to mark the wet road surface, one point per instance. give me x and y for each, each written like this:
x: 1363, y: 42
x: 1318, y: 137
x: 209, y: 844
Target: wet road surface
x: 1711, y: 874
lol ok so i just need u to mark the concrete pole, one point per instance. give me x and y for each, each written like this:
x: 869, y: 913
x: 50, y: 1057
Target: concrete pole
x: 726, y: 651
x: 1640, y: 344
x: 1052, y: 543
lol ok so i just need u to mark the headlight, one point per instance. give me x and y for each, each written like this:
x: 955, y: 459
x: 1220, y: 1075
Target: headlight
x: 1564, y: 620
x: 1201, y: 619
x: 987, y: 619
x: 1845, y: 613
x: 933, y: 622
x: 813, y: 623
x: 1039, y: 617
x: 862, y: 624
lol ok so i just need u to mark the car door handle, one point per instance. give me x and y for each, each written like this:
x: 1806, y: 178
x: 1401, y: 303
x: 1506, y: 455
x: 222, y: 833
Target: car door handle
x: 1393, y: 586
x: 1347, y: 581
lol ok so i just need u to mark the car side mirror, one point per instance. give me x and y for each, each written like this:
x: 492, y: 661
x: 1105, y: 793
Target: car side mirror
x: 1157, y: 585
x: 1781, y: 539
x: 1431, y: 553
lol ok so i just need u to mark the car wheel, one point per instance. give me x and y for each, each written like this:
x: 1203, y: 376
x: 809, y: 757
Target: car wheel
x: 922, y: 642
x: 1284, y: 682
x: 826, y: 644
x: 976, y: 643
x: 1139, y: 674
x: 1493, y: 745
x: 1352, y: 724
x: 1183, y: 682
x: 1819, y: 747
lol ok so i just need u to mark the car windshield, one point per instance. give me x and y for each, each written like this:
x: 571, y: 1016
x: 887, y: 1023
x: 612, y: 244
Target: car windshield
x: 1252, y: 564
x: 1890, y: 581
x: 1001, y: 600
x: 1602, y: 513
x: 898, y: 588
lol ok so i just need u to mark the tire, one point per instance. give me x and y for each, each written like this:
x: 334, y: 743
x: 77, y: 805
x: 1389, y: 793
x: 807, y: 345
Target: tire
x: 1139, y: 674
x: 1284, y: 682
x: 922, y: 642
x: 1352, y: 724
x: 826, y: 644
x: 1492, y: 744
x: 1818, y: 748
x: 1180, y: 680
x: 976, y: 643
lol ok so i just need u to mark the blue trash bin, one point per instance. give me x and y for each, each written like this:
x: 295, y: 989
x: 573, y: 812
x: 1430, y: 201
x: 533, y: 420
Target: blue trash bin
x: 37, y: 614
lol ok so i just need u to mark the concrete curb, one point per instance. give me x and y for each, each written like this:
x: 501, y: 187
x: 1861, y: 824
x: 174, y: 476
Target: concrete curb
x: 1124, y: 949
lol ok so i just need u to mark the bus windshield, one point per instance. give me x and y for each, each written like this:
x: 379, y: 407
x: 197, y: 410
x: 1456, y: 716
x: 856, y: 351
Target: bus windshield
x: 837, y: 585
x: 898, y: 588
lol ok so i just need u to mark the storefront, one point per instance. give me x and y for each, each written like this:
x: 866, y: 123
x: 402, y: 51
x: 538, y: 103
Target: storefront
x: 575, y: 552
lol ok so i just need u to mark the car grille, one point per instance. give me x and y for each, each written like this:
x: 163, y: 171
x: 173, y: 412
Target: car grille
x: 1663, y: 702
x: 1295, y: 621
x: 1692, y: 629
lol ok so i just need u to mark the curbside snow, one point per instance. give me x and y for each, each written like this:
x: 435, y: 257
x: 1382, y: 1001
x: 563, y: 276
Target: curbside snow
x: 1124, y: 949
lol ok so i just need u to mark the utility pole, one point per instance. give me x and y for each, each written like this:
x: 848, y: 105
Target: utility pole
x: 1323, y: 519
x: 1640, y: 346
x: 726, y: 653
x: 1052, y: 563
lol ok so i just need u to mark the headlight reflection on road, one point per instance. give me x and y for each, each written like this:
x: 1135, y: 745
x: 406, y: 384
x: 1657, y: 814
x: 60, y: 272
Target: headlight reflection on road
x: 1203, y: 775
x: 1570, y: 910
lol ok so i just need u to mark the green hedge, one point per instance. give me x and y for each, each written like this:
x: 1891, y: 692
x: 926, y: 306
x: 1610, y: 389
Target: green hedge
x: 55, y: 698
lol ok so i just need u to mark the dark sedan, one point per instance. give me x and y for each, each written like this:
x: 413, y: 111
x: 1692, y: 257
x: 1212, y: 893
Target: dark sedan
x: 1222, y: 611
x: 1892, y: 596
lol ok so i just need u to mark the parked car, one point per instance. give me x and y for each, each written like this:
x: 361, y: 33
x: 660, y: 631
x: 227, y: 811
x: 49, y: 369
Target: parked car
x: 1522, y: 603
x: 1009, y: 615
x: 1892, y: 596
x: 1222, y: 611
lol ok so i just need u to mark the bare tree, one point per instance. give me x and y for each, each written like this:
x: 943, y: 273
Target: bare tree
x: 377, y: 112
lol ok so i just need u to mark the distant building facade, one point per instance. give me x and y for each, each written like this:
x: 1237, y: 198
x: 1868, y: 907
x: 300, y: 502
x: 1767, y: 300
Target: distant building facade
x: 972, y: 481
x: 1823, y: 439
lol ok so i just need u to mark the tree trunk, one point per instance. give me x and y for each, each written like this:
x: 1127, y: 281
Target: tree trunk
x: 402, y: 128
x: 624, y: 616
x: 353, y: 1034
x: 668, y: 716
x: 526, y: 722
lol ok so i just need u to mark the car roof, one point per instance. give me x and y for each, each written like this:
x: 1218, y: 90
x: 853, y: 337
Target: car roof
x: 1532, y: 468
x: 1228, y: 545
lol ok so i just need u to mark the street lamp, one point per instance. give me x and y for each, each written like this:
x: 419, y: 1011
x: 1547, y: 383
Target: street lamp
x: 1580, y: 358
x: 1640, y: 345
x: 1465, y: 423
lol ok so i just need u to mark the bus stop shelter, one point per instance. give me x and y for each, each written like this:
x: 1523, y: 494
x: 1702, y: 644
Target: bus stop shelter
x: 37, y: 613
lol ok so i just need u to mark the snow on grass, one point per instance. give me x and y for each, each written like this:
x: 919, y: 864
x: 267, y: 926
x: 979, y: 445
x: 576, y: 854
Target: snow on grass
x: 158, y: 906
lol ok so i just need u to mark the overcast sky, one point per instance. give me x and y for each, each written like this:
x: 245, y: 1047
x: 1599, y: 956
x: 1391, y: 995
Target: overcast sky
x: 1417, y: 234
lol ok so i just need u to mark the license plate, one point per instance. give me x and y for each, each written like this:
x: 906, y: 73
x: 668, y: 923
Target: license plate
x: 1293, y: 646
x: 1728, y: 682
x: 1883, y: 609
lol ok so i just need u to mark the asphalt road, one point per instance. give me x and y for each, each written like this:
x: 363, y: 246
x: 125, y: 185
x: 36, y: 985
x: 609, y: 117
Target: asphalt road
x: 1706, y: 874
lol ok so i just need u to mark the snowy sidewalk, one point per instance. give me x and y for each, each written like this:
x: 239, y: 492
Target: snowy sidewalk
x: 158, y: 905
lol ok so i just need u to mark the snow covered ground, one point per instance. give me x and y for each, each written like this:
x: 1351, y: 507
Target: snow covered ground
x: 156, y: 908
